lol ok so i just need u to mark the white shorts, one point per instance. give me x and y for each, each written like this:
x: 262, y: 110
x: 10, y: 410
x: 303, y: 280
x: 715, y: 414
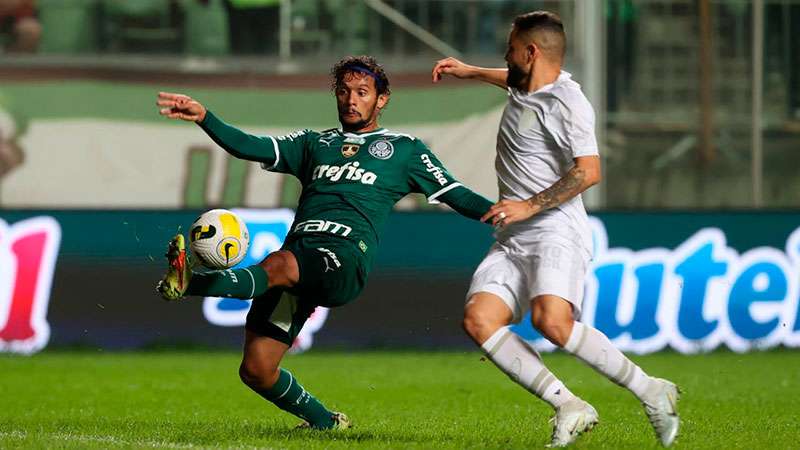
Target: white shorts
x: 553, y: 268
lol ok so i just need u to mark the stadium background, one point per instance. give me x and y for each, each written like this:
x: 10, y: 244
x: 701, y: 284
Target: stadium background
x: 698, y: 106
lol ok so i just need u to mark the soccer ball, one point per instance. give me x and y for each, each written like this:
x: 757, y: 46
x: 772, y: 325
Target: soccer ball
x: 219, y: 239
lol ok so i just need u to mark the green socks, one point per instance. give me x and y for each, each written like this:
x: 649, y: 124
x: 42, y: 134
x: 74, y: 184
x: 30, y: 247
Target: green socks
x: 237, y: 283
x: 288, y: 395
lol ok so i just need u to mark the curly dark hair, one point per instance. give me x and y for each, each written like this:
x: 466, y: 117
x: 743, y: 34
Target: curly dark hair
x: 361, y: 64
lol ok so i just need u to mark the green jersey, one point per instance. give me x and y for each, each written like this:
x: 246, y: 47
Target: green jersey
x: 350, y: 181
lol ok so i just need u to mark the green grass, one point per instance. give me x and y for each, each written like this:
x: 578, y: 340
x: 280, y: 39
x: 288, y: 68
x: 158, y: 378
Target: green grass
x: 396, y: 400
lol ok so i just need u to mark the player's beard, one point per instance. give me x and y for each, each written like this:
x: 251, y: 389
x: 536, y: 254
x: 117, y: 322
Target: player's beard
x: 516, y: 77
x: 360, y: 124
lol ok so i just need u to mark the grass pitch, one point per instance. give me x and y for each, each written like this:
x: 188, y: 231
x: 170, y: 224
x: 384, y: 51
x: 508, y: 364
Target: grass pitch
x: 396, y: 400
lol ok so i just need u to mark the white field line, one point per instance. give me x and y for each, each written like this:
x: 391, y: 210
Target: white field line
x: 70, y: 437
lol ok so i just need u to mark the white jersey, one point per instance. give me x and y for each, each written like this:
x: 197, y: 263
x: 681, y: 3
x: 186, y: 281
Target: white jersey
x: 540, y: 134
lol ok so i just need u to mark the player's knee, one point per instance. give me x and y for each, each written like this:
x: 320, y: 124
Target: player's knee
x: 257, y: 376
x: 282, y: 269
x: 247, y: 375
x: 555, y: 329
x: 478, y: 326
x: 470, y: 325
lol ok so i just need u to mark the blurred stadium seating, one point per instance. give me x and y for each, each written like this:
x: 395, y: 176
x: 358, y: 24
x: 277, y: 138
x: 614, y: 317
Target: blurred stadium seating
x: 648, y: 105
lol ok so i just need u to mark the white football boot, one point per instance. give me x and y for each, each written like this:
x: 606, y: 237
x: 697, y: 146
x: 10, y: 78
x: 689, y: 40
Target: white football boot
x: 571, y: 419
x: 661, y: 407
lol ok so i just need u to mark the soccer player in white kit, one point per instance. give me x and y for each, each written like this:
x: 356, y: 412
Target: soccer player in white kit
x: 547, y: 155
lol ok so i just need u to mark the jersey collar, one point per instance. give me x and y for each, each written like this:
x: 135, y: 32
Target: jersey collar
x: 563, y: 77
x: 371, y: 133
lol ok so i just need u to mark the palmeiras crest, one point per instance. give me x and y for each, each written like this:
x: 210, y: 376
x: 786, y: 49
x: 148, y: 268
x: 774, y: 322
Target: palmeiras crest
x: 381, y: 149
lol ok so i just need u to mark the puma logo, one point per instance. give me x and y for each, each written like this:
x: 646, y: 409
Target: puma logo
x: 329, y: 257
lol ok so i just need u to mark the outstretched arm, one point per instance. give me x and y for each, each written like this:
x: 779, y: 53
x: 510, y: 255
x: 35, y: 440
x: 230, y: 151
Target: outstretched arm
x: 179, y: 106
x: 458, y: 69
x: 465, y: 202
x: 584, y: 174
x: 427, y: 175
x: 231, y: 139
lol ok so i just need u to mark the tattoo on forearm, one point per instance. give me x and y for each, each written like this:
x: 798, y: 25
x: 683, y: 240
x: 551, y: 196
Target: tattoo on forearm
x: 562, y: 190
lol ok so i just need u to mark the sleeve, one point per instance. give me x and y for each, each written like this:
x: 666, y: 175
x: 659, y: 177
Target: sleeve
x: 291, y: 152
x: 572, y: 126
x: 284, y: 154
x: 467, y: 203
x: 428, y: 176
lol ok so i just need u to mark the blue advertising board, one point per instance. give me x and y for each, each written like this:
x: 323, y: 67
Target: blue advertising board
x: 691, y: 282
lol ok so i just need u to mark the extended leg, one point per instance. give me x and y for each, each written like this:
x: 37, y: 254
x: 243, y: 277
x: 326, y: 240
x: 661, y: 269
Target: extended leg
x: 553, y: 317
x: 486, y: 320
x: 279, y: 269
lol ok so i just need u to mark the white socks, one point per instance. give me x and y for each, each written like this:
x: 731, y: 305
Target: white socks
x: 593, y: 347
x: 523, y: 365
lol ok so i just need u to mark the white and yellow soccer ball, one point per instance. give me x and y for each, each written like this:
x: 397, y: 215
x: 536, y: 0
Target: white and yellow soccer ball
x: 219, y: 239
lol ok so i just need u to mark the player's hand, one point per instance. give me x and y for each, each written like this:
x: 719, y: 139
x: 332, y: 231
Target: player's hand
x: 451, y: 66
x: 506, y: 212
x: 179, y: 106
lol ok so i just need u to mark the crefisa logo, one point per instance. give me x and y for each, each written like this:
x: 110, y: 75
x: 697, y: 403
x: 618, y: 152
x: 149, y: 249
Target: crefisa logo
x: 694, y: 298
x: 268, y: 230
x: 28, y: 253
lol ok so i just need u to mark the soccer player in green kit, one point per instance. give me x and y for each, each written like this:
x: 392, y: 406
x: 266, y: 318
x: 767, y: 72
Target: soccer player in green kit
x: 351, y: 179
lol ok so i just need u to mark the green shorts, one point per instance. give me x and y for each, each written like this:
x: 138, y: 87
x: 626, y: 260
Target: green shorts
x: 332, y: 273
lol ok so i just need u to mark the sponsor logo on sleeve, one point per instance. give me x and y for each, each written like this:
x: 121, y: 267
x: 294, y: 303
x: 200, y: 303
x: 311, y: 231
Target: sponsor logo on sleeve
x: 436, y: 171
x: 291, y: 136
